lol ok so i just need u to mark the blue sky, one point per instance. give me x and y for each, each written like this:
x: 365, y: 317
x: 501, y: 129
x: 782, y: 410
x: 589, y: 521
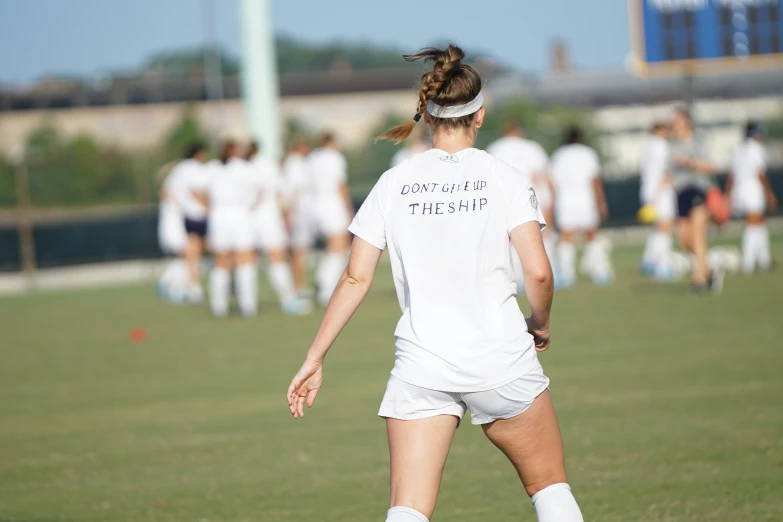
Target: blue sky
x: 93, y: 37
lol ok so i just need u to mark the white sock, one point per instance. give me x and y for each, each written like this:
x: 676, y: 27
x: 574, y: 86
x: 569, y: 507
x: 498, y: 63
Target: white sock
x: 555, y: 503
x: 404, y: 514
x: 329, y: 273
x: 663, y: 253
x: 649, y: 257
x: 219, y: 286
x: 763, y: 257
x: 749, y: 248
x: 282, y: 281
x: 246, y: 285
x: 567, y: 261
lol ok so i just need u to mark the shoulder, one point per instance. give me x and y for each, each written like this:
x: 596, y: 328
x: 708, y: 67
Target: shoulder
x: 511, y: 179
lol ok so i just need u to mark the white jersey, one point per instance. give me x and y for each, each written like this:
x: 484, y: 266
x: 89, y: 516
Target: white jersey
x: 328, y: 172
x: 297, y: 178
x: 233, y: 186
x: 408, y: 152
x: 748, y: 161
x: 573, y: 168
x: 529, y: 157
x: 445, y: 221
x: 270, y: 179
x: 654, y: 163
x: 186, y: 177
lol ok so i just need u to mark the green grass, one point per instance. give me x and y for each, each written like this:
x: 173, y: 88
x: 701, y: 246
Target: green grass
x: 671, y: 409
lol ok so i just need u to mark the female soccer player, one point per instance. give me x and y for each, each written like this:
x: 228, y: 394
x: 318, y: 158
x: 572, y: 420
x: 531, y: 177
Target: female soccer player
x: 691, y: 176
x: 333, y: 211
x: 580, y: 207
x: 270, y: 233
x: 751, y: 195
x: 656, y: 190
x: 233, y: 193
x: 300, y: 205
x: 188, y: 177
x: 529, y: 157
x: 447, y: 218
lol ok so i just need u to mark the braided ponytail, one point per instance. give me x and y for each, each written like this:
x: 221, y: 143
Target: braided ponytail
x: 448, y: 83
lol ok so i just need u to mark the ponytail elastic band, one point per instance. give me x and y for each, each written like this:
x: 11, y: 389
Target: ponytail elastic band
x: 416, y: 117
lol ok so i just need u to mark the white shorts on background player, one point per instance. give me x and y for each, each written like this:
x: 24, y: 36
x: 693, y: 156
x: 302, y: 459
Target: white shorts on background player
x: 268, y: 225
x: 529, y: 157
x: 573, y: 169
x: 748, y: 161
x: 233, y: 190
x: 328, y: 173
x: 445, y: 220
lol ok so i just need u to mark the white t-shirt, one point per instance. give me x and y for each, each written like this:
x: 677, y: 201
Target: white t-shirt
x: 408, y: 152
x: 187, y: 176
x: 445, y: 220
x: 573, y: 169
x: 328, y: 172
x: 270, y: 179
x: 748, y: 161
x: 654, y: 163
x: 233, y: 186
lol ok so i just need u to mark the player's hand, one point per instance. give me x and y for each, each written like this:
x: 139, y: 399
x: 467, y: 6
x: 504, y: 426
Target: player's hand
x: 540, y: 334
x: 304, y: 387
x: 603, y: 210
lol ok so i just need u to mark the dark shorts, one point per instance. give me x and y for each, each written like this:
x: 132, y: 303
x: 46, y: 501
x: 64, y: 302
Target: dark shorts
x: 689, y: 198
x: 196, y: 226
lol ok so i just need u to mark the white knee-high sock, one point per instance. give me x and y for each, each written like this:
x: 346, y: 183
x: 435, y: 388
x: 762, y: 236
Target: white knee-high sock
x: 648, y: 256
x: 219, y: 286
x: 555, y: 503
x: 763, y: 257
x: 329, y: 273
x: 282, y: 281
x: 663, y: 257
x: 748, y: 249
x: 404, y: 514
x: 567, y: 261
x: 246, y: 286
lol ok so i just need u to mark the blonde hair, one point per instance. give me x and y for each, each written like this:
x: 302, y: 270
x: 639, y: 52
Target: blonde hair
x: 450, y: 82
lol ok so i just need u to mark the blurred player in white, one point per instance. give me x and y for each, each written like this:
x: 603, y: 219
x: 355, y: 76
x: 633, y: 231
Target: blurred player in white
x: 299, y: 199
x: 752, y: 196
x: 580, y: 207
x: 448, y: 219
x: 189, y: 177
x: 270, y: 232
x: 233, y: 193
x: 529, y: 157
x: 416, y: 146
x: 657, y: 191
x: 333, y: 211
x: 172, y: 239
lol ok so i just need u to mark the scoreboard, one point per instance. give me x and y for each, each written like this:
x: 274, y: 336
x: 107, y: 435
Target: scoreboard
x: 693, y: 36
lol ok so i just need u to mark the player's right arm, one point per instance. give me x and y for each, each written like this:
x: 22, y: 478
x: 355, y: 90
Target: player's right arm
x: 539, y: 286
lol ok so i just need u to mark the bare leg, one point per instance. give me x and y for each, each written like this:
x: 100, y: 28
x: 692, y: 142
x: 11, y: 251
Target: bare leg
x: 193, y: 252
x: 418, y: 451
x: 299, y: 268
x: 699, y: 219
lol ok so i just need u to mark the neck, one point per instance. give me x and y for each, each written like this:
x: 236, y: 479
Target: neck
x: 453, y: 140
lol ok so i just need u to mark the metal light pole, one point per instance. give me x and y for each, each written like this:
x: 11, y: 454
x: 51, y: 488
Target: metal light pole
x: 259, y: 75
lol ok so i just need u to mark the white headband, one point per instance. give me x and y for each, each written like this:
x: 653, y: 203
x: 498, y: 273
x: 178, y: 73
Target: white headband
x: 455, y: 111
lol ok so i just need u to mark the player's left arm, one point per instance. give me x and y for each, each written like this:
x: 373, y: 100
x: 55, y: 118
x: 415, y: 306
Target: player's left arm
x: 769, y: 194
x: 345, y: 192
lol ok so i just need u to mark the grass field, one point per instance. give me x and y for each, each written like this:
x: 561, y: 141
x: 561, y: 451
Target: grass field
x: 671, y: 409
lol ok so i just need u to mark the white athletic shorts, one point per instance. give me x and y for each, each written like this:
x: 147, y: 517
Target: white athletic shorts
x: 172, y: 236
x: 304, y: 228
x: 408, y: 402
x: 665, y: 203
x: 748, y: 199
x: 269, y: 228
x: 576, y: 216
x: 331, y: 216
x: 230, y: 230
